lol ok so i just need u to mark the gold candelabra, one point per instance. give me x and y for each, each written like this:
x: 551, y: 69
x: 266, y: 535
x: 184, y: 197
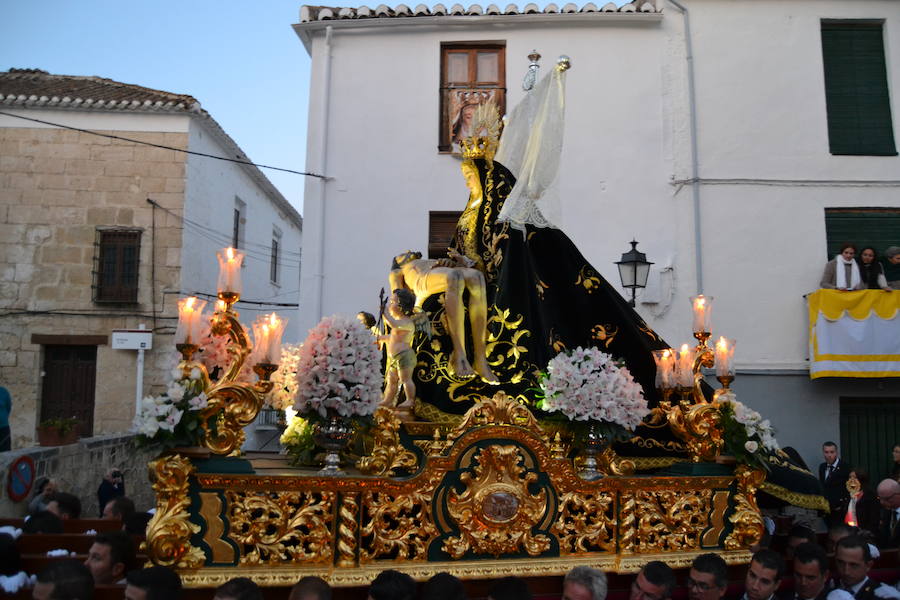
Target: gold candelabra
x: 231, y: 404
x: 693, y: 419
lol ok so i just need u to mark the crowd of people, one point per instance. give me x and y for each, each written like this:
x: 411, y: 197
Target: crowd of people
x: 861, y: 270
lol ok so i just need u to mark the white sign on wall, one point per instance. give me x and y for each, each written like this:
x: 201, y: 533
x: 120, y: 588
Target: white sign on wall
x: 132, y: 339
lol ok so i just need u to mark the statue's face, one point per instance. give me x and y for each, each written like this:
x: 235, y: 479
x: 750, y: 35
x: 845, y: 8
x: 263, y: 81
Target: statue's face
x: 470, y: 172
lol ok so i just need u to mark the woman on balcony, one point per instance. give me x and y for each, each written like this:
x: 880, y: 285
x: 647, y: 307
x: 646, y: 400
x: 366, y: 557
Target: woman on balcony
x: 871, y: 271
x: 842, y: 273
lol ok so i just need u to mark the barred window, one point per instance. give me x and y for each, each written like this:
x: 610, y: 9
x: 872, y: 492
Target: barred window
x: 118, y: 261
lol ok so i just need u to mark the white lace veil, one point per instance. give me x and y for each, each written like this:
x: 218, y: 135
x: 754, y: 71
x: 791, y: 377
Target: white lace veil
x: 530, y: 148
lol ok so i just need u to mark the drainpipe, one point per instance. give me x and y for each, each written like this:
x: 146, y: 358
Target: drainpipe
x: 695, y: 167
x: 319, y: 277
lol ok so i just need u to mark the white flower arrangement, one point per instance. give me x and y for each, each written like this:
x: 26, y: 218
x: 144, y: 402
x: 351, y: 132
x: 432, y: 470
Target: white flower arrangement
x: 586, y: 384
x: 284, y: 380
x: 339, y: 369
x: 173, y: 418
x: 748, y: 436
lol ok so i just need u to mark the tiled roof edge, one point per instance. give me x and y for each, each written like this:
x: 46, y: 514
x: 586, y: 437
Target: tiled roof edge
x: 311, y: 14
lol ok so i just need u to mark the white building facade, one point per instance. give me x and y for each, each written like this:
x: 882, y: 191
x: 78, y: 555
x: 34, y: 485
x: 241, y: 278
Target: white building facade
x: 699, y: 128
x: 86, y: 159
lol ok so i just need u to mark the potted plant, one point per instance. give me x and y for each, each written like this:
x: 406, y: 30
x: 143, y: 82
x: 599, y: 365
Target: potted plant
x: 58, y: 432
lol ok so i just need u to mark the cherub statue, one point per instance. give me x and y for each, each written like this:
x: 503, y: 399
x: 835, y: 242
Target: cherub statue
x: 425, y: 277
x: 401, y: 355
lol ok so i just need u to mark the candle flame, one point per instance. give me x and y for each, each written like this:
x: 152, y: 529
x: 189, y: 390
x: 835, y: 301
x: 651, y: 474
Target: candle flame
x: 700, y: 302
x: 667, y: 353
x: 189, y: 303
x: 273, y: 320
x: 722, y: 344
x: 684, y: 348
x: 229, y: 252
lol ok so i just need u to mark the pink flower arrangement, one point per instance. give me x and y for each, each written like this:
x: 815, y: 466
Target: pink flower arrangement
x: 339, y: 369
x: 586, y: 384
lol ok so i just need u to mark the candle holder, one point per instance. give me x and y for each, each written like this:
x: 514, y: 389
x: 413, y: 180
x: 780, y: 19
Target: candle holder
x: 703, y: 354
x: 265, y: 370
x: 725, y: 380
x: 229, y: 298
x: 187, y: 351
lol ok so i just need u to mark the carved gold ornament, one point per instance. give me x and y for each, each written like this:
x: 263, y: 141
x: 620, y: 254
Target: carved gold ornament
x: 699, y: 427
x: 495, y: 512
x: 586, y: 523
x: 170, y: 529
x: 396, y: 526
x: 747, y: 522
x: 286, y: 527
x: 389, y: 454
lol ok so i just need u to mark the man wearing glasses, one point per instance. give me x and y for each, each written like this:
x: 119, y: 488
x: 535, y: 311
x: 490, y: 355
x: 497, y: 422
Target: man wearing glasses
x: 708, y: 578
x: 654, y: 582
x: 889, y: 528
x: 811, y: 574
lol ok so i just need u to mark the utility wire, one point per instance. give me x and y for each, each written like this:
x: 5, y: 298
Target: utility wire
x: 263, y: 255
x: 164, y: 147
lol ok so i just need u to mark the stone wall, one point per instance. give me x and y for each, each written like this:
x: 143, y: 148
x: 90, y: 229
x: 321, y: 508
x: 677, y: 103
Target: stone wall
x: 79, y: 469
x: 57, y: 187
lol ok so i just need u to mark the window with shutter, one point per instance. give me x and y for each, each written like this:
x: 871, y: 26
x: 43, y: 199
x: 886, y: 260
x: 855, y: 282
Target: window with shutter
x: 441, y: 229
x: 471, y: 74
x: 856, y: 90
x: 118, y: 262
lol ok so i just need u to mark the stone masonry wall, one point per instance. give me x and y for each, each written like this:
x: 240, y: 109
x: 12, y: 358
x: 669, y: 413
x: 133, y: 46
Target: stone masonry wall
x: 57, y: 187
x: 79, y: 469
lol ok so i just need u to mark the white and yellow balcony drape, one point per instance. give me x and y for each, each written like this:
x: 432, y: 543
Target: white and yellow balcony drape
x: 854, y: 334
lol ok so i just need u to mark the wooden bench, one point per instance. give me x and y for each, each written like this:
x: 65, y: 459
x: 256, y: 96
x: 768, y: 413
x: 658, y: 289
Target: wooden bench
x: 75, y: 525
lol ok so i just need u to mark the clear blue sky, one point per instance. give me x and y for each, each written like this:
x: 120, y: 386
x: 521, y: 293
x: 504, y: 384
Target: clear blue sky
x: 240, y: 59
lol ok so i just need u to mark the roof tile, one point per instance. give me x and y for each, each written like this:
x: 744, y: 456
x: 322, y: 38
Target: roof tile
x: 309, y: 14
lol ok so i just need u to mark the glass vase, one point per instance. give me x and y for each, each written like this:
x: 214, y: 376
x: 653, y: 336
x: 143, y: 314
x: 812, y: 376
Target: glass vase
x: 593, y: 443
x: 333, y: 435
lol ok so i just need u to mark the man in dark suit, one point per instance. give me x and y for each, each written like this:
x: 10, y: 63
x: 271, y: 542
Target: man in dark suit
x: 833, y: 474
x: 854, y: 560
x: 889, y: 525
x: 811, y: 574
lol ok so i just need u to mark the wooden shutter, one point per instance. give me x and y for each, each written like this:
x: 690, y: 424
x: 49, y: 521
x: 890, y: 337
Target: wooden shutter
x: 856, y: 91
x: 441, y: 230
x: 876, y: 227
x: 68, y: 384
x: 472, y: 70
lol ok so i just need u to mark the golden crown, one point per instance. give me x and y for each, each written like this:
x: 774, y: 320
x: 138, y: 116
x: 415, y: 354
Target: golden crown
x: 478, y: 146
x: 485, y: 133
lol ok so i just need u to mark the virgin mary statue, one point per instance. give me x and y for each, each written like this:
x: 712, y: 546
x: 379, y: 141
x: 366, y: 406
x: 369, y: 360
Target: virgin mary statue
x: 543, y: 297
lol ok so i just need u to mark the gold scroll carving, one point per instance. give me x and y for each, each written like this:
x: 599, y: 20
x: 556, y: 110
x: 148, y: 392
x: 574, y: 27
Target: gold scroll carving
x: 170, y: 529
x: 388, y: 455
x: 282, y: 527
x: 746, y: 520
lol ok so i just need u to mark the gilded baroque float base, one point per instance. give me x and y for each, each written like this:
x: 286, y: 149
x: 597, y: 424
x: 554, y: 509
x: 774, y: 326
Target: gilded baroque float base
x: 494, y: 496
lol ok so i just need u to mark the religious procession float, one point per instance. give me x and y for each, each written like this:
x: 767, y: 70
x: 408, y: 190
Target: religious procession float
x: 507, y: 413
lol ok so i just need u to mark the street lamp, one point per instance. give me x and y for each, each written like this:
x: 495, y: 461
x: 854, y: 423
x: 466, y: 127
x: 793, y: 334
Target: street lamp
x: 634, y: 269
